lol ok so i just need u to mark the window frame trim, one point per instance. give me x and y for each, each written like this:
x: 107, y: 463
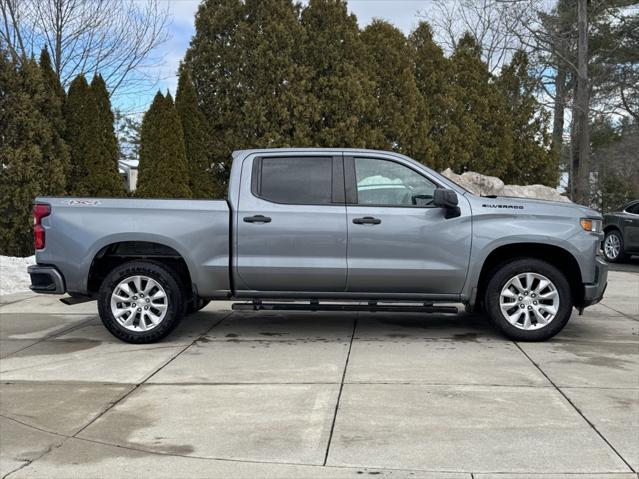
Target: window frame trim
x: 350, y: 179
x: 337, y: 179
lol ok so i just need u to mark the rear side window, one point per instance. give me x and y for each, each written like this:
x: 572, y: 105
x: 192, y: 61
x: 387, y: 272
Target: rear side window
x: 295, y: 180
x: 634, y: 209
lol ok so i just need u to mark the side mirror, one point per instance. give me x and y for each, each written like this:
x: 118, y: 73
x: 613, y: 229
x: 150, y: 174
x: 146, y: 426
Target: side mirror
x: 447, y: 199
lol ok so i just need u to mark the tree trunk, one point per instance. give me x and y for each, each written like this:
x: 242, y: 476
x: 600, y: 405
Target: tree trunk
x: 581, y: 155
x: 558, y: 110
x: 57, y: 33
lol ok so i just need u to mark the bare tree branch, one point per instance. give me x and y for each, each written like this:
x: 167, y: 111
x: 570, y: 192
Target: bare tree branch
x: 113, y: 37
x: 11, y: 29
x: 490, y: 21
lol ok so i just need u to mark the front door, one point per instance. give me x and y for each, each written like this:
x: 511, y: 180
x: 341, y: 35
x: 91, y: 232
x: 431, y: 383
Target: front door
x: 630, y: 224
x: 398, y: 242
x: 291, y: 225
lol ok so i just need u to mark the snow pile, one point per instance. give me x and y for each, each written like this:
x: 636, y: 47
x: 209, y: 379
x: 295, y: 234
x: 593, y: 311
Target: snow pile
x: 491, y: 185
x: 13, y: 274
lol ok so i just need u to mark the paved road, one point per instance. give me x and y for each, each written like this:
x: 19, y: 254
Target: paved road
x: 318, y: 395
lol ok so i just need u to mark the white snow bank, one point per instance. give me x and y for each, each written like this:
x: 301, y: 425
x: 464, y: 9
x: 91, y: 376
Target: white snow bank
x: 13, y: 274
x: 491, y: 185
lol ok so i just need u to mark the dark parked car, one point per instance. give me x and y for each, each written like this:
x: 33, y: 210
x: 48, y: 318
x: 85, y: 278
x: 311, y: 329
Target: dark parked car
x: 622, y: 233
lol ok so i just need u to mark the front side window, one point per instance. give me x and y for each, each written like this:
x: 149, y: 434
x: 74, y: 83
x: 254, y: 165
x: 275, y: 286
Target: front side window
x: 296, y: 180
x: 386, y: 183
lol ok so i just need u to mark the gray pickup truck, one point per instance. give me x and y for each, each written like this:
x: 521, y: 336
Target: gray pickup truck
x: 322, y: 229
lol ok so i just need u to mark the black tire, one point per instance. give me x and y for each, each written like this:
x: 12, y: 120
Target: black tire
x: 197, y: 304
x: 174, y: 297
x: 504, y: 273
x: 621, y: 256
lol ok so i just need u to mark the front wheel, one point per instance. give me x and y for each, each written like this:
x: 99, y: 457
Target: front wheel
x: 140, y: 302
x: 528, y: 299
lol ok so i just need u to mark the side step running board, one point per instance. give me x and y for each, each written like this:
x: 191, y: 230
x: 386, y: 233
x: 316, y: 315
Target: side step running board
x: 72, y: 300
x: 372, y: 307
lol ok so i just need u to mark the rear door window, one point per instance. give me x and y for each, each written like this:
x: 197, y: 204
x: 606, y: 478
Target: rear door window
x: 295, y: 180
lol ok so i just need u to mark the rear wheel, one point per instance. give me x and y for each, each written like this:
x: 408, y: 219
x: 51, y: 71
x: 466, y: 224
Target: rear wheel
x: 613, y: 247
x: 528, y: 299
x: 140, y: 302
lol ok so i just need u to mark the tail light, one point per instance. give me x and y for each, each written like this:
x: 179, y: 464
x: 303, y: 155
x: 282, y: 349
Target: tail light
x: 39, y: 211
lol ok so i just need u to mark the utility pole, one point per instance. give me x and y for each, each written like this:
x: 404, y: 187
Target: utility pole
x: 581, y: 151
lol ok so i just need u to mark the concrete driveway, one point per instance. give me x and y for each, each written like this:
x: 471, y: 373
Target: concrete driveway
x: 247, y: 395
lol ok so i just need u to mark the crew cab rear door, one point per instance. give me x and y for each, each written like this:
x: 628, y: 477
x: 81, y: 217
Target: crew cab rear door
x: 398, y: 242
x: 291, y: 224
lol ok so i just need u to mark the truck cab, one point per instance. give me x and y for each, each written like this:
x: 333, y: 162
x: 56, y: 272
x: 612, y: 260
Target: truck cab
x: 346, y: 224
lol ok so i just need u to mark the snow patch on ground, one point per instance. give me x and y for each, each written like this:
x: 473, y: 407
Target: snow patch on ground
x: 13, y: 274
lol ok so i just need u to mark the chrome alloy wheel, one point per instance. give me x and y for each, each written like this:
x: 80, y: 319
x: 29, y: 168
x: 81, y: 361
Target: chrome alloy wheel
x: 612, y: 246
x: 529, y: 301
x: 139, y: 303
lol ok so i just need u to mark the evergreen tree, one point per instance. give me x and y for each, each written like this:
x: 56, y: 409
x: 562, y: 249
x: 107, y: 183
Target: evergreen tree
x: 163, y: 169
x: 399, y: 102
x: 615, y: 166
x: 253, y: 89
x: 26, y: 143
x: 274, y: 82
x: 81, y: 135
x: 201, y: 181
x: 342, y: 93
x: 431, y: 77
x: 215, y: 60
x: 50, y: 77
x: 533, y: 161
x: 479, y: 135
x: 104, y: 180
x: 55, y: 161
x: 55, y: 157
x: 90, y: 135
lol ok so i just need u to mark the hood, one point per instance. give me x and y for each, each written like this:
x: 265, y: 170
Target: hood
x: 546, y: 205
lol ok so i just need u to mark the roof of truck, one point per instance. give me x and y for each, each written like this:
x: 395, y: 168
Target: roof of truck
x: 310, y: 149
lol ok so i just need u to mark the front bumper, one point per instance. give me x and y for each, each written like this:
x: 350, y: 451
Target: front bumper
x: 593, y: 292
x: 46, y: 280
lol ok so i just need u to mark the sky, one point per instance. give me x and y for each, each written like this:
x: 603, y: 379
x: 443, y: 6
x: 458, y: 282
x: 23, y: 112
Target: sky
x: 401, y: 13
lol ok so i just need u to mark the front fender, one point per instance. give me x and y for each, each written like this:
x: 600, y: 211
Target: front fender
x: 582, y: 246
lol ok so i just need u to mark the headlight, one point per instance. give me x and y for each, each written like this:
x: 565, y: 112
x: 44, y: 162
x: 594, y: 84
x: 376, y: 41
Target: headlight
x: 594, y: 226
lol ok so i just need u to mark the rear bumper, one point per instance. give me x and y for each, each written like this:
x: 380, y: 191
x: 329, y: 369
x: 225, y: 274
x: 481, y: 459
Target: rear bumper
x: 46, y: 280
x: 594, y: 292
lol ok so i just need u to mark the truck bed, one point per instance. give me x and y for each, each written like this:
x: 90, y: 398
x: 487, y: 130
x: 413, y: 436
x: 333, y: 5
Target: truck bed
x: 79, y: 229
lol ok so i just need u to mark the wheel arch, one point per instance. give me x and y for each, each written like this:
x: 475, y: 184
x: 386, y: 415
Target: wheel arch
x: 116, y: 253
x: 556, y: 255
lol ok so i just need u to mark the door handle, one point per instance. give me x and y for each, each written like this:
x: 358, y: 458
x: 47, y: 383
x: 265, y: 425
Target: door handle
x: 257, y: 219
x: 367, y: 220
